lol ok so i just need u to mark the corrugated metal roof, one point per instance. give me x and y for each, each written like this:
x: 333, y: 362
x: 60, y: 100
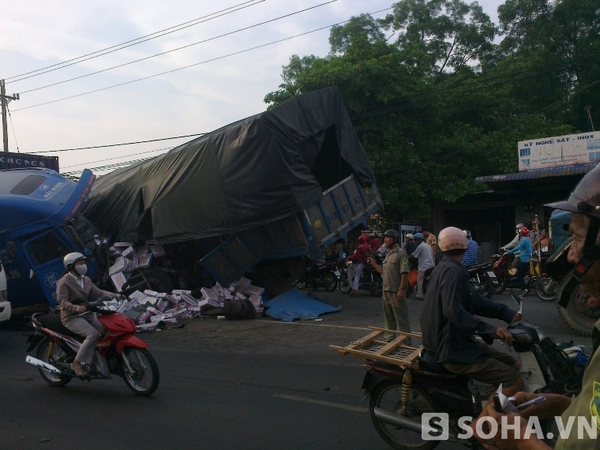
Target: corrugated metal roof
x: 536, y: 174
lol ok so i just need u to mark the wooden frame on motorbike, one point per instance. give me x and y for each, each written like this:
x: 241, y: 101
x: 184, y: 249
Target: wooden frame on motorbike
x: 374, y: 348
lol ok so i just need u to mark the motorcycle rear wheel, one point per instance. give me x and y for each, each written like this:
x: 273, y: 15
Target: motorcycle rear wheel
x: 345, y: 286
x: 388, y: 396
x: 144, y: 378
x: 334, y: 281
x: 546, y: 288
x: 500, y: 287
x: 57, y: 355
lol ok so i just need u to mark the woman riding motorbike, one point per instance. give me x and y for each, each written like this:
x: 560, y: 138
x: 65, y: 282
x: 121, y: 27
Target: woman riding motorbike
x: 73, y: 292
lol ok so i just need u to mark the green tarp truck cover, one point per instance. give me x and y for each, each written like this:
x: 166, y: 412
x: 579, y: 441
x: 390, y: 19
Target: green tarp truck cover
x: 246, y: 174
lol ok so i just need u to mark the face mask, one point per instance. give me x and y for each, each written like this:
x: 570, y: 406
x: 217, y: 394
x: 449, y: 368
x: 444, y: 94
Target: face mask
x: 81, y: 269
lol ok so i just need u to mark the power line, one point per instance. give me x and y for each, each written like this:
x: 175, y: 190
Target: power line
x: 195, y: 64
x: 118, y: 157
x: 239, y: 30
x: 132, y: 42
x: 39, y: 152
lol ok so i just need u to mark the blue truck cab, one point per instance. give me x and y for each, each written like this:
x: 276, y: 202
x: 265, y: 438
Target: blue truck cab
x: 39, y: 224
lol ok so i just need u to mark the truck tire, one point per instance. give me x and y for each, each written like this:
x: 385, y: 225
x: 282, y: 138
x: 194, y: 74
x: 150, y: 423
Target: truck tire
x: 158, y: 280
x: 577, y: 316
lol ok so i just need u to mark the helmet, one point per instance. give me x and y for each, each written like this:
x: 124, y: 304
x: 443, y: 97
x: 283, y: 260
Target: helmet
x: 519, y: 225
x: 419, y: 236
x: 467, y: 234
x: 452, y: 238
x: 363, y: 238
x: 524, y: 231
x: 392, y: 233
x: 71, y: 259
x: 409, y: 236
x: 585, y: 198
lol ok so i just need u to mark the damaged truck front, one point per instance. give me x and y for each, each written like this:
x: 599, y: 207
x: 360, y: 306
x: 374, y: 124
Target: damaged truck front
x: 257, y: 194
x: 40, y: 222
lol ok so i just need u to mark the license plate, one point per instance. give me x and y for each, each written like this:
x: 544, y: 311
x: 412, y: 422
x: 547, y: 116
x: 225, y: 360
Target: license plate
x: 492, y: 275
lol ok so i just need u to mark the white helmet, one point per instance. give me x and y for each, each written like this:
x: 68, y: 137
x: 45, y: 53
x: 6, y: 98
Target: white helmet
x: 452, y: 238
x: 71, y: 259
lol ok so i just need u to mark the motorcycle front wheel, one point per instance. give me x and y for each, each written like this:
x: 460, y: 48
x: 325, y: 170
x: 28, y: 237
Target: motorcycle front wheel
x: 143, y: 377
x: 52, y: 354
x: 300, y: 284
x: 387, y: 396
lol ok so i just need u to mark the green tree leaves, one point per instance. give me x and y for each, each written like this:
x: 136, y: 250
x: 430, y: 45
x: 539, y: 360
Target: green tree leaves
x: 438, y: 97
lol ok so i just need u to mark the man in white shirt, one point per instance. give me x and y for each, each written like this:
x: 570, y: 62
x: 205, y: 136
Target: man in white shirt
x: 424, y: 254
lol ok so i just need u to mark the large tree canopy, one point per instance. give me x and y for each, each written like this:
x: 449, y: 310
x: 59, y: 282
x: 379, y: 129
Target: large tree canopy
x: 440, y: 95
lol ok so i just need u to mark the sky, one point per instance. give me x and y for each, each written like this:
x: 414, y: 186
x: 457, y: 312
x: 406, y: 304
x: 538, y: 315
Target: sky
x: 201, y: 64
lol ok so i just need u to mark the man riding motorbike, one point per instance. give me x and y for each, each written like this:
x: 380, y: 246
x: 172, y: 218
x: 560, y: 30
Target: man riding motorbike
x: 73, y: 292
x: 584, y: 204
x: 449, y: 321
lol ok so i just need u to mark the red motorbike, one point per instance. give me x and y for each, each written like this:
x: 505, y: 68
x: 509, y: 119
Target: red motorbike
x: 118, y: 351
x: 505, y: 274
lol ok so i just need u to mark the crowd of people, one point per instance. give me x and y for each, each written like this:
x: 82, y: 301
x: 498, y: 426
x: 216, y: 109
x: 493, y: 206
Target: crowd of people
x: 452, y: 313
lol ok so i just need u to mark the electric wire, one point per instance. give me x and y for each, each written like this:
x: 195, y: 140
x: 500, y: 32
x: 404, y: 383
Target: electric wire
x: 204, y: 41
x: 39, y: 152
x: 132, y: 42
x: 194, y: 64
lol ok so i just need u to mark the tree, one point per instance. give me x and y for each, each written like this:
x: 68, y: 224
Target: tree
x: 443, y: 103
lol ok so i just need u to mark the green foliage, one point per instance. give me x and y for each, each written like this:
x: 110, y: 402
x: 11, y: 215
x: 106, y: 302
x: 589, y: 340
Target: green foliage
x: 448, y: 98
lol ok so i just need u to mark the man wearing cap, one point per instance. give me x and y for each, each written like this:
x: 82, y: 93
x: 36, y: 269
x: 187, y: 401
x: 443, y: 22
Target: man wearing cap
x: 394, y: 272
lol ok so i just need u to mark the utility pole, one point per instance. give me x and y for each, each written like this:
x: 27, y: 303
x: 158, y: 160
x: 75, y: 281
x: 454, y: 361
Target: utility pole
x: 589, y: 114
x: 5, y: 99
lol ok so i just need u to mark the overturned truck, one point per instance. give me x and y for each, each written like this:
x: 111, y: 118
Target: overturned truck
x: 253, y: 195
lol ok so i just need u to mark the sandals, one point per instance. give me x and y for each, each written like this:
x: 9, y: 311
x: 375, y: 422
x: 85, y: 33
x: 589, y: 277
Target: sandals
x: 78, y: 369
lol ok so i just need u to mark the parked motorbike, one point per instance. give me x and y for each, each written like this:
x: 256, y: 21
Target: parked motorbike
x: 400, y: 396
x: 321, y: 274
x: 505, y: 274
x: 118, y: 351
x: 370, y: 280
x: 483, y: 279
x: 412, y: 286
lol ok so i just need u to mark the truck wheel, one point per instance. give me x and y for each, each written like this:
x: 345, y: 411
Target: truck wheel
x: 577, y: 315
x: 158, y: 280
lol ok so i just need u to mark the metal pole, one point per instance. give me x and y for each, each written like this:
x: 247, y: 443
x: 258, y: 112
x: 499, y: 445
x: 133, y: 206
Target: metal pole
x: 4, y: 101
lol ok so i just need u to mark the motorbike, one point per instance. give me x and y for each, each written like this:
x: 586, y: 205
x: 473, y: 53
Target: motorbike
x: 321, y: 274
x: 412, y: 286
x: 483, y: 279
x: 505, y: 274
x: 400, y: 396
x: 118, y: 351
x: 370, y: 280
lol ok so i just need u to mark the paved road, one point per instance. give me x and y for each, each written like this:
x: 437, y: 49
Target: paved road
x: 257, y: 384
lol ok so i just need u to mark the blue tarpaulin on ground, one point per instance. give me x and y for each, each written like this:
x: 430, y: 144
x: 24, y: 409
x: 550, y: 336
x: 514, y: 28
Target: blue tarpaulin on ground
x: 295, y: 304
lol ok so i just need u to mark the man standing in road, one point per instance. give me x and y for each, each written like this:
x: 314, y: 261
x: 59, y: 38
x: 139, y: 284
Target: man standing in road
x: 424, y: 254
x: 394, y: 271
